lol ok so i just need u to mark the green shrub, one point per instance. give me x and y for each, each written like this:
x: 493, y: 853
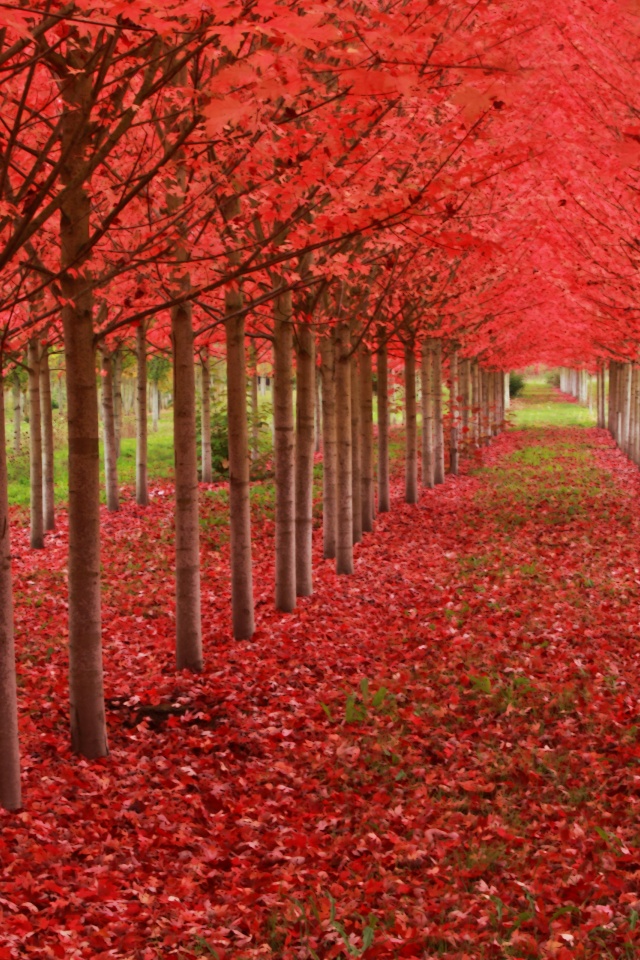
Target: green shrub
x: 516, y: 384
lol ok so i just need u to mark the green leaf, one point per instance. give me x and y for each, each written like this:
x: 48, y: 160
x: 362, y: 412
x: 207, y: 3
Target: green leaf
x: 379, y: 697
x: 368, y: 936
x: 350, y: 709
x: 327, y: 711
x: 481, y: 684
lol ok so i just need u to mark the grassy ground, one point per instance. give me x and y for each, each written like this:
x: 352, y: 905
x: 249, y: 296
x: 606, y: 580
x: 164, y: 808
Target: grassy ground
x: 538, y: 407
x: 160, y: 460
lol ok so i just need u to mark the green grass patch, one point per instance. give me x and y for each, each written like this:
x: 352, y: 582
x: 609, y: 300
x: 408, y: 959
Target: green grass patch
x: 537, y: 407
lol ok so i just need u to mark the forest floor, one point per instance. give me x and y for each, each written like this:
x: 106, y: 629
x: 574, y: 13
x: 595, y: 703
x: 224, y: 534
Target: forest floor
x: 437, y: 757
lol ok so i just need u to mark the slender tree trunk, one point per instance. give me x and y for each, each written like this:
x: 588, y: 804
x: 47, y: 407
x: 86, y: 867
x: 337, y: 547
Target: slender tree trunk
x: 188, y: 609
x: 285, y: 597
x: 626, y: 408
x: 438, y: 426
x: 453, y: 408
x: 366, y: 444
x: 239, y: 459
x: 411, y: 451
x: 613, y: 398
x: 109, y: 434
x: 600, y: 389
x: 142, y: 486
x: 35, y: 447
x: 428, y: 449
x: 304, y: 448
x: 356, y: 441
x: 17, y: 415
x: 205, y: 418
x: 117, y: 398
x: 46, y: 409
x: 255, y: 419
x: 344, y: 544
x: 10, y: 794
x: 466, y: 404
x: 318, y: 428
x: 329, y: 444
x: 384, y: 495
x: 477, y: 405
x: 187, y: 514
x: 88, y: 729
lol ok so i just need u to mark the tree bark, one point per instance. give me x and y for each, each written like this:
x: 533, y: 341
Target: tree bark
x: 329, y: 446
x: 318, y: 426
x: 453, y: 409
x: 438, y: 426
x: 465, y: 378
x: 255, y: 420
x: 109, y: 434
x: 205, y: 418
x: 142, y: 486
x: 356, y: 441
x: 17, y: 414
x: 411, y: 445
x: 304, y: 450
x: 344, y: 541
x: 428, y: 447
x: 384, y: 496
x: 117, y: 398
x: 187, y: 523
x: 285, y: 594
x: 239, y: 460
x: 46, y: 409
x: 35, y: 447
x: 88, y: 729
x: 10, y: 792
x: 366, y: 446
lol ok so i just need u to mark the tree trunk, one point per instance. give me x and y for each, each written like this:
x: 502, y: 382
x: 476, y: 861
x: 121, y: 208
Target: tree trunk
x: 428, y: 447
x: 109, y: 434
x: 10, y: 794
x: 384, y: 496
x: 88, y: 729
x: 453, y: 409
x: 304, y: 448
x: 117, y: 398
x: 318, y: 427
x: 356, y: 442
x: 17, y: 415
x: 285, y: 596
x: 255, y: 419
x: 35, y: 447
x: 438, y: 426
x: 411, y: 447
x: 188, y: 610
x: 239, y: 460
x: 46, y: 409
x: 142, y: 486
x: 344, y: 541
x: 205, y: 418
x: 477, y: 404
x: 466, y: 405
x: 329, y: 446
x: 366, y: 424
